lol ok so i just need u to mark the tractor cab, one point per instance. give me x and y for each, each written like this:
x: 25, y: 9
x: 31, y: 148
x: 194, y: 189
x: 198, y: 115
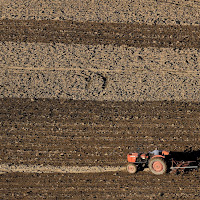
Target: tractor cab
x: 159, y: 152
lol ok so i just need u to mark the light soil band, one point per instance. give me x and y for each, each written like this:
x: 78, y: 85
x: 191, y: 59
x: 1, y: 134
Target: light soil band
x: 98, y: 72
x: 163, y: 12
x: 93, y: 33
x: 5, y: 168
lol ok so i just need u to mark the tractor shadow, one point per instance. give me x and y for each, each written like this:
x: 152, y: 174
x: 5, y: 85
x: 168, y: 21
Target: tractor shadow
x: 187, y: 155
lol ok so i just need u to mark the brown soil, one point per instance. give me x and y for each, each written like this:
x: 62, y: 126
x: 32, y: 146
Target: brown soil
x: 59, y: 132
x: 93, y: 33
x: 92, y: 133
x: 41, y: 137
x: 161, y: 12
x: 98, y: 72
x: 111, y: 185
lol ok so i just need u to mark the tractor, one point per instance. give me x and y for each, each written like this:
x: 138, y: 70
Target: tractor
x: 158, y: 163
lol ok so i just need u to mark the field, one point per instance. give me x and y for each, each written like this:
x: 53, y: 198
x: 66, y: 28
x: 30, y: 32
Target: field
x: 83, y: 83
x: 68, y: 133
x: 99, y: 185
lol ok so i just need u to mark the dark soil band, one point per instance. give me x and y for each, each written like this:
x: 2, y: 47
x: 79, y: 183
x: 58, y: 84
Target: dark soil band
x: 61, y: 132
x: 93, y: 33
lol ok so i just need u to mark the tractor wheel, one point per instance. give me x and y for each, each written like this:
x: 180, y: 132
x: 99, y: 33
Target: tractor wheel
x: 131, y: 168
x: 157, y: 166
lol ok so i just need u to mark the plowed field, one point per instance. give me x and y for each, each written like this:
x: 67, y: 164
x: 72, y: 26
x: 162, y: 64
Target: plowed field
x: 110, y: 185
x: 91, y: 133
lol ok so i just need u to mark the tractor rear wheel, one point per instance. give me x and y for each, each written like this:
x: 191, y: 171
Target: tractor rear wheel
x: 131, y: 168
x: 157, y: 166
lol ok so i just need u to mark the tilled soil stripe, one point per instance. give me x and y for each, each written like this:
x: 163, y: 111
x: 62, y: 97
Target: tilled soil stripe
x: 93, y: 33
x: 5, y: 168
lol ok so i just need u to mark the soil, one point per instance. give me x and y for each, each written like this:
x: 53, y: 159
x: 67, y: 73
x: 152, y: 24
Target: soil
x: 99, y: 61
x: 91, y: 133
x: 93, y: 33
x: 109, y: 185
x: 98, y: 72
x: 163, y: 12
x: 83, y: 83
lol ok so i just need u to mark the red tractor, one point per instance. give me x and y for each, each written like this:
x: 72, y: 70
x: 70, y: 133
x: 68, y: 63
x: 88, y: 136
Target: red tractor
x: 158, y: 163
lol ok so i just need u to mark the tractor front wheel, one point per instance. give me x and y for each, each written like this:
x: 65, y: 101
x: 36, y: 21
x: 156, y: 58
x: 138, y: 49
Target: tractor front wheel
x: 131, y: 168
x: 157, y: 166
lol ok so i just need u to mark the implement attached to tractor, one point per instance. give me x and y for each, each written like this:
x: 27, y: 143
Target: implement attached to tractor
x: 158, y: 164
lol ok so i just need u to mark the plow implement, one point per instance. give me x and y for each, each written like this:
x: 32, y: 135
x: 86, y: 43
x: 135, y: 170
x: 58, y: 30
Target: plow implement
x: 182, y: 166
